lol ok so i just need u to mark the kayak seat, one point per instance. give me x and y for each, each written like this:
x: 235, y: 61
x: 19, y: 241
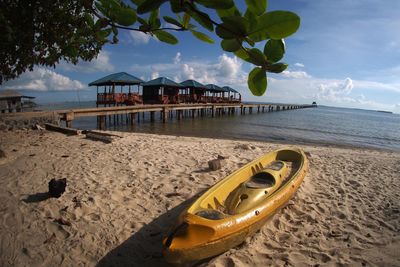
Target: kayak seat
x: 276, y: 165
x: 261, y: 180
x: 211, y: 214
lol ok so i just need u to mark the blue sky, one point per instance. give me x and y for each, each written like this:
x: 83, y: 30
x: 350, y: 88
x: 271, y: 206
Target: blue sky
x: 346, y: 53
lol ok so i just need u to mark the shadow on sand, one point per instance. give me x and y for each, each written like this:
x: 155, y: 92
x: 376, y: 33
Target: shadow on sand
x: 144, y: 247
x: 38, y: 197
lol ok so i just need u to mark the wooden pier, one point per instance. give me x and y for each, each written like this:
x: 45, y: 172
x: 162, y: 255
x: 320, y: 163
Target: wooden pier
x: 131, y: 114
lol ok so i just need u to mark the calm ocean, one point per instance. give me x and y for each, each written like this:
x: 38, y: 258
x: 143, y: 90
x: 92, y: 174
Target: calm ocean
x: 322, y: 125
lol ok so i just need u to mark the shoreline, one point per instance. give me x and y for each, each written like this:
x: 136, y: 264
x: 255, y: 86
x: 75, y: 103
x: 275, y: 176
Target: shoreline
x: 121, y: 198
x: 278, y: 142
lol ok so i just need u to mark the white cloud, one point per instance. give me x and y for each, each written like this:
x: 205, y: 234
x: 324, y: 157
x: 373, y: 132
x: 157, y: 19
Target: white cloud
x: 155, y: 75
x: 288, y: 87
x: 228, y: 66
x: 101, y: 63
x: 334, y: 91
x: 188, y: 71
x: 41, y: 79
x: 300, y: 65
x: 295, y: 74
x: 177, y: 58
x: 139, y: 37
x: 226, y: 71
x: 379, y: 86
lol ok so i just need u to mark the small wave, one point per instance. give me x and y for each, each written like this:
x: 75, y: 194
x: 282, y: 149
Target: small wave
x: 326, y: 132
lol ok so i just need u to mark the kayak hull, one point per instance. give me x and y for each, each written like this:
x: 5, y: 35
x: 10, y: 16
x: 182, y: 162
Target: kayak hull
x: 194, y: 237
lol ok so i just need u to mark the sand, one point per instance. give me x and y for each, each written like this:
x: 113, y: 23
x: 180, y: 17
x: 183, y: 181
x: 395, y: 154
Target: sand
x: 121, y: 198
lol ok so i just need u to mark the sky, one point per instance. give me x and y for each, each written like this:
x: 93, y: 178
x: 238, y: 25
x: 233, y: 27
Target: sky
x: 346, y: 53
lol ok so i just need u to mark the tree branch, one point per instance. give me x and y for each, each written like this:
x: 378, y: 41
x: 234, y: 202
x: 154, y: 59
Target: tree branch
x: 112, y: 24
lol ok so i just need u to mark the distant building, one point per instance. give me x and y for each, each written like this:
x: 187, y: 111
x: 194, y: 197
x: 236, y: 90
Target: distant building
x: 11, y: 101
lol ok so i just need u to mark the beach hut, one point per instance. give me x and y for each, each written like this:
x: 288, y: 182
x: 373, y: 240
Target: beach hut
x: 215, y: 94
x: 11, y: 101
x: 233, y: 98
x: 196, y: 91
x: 161, y: 91
x: 110, y: 96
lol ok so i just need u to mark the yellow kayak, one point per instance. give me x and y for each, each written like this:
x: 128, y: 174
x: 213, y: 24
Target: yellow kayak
x: 235, y: 207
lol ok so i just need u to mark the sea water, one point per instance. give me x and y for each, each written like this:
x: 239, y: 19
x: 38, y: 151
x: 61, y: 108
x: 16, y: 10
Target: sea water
x: 321, y: 125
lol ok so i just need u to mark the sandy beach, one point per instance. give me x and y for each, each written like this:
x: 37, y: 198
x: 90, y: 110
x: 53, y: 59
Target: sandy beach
x: 121, y: 198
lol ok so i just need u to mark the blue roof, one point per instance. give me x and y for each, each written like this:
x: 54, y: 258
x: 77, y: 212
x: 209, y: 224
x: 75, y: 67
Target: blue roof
x: 162, y: 81
x: 213, y: 87
x: 193, y: 84
x: 120, y: 78
x: 230, y: 89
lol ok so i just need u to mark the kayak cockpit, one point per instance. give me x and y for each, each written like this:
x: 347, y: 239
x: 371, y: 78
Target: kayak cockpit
x: 248, y: 193
x: 256, y: 189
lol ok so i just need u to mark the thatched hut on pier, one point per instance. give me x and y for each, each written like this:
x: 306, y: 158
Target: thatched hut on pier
x: 215, y: 94
x: 11, y: 101
x: 161, y: 91
x: 110, y: 96
x: 233, y: 98
x: 196, y: 91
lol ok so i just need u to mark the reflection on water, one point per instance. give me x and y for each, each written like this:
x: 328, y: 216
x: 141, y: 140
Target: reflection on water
x: 325, y: 125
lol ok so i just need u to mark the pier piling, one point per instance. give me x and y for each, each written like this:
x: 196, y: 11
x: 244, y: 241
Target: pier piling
x: 116, y: 114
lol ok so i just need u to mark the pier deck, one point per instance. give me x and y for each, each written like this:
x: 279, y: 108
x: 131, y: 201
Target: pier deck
x: 166, y: 111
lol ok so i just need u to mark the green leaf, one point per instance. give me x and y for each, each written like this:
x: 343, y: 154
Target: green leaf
x: 104, y: 33
x: 142, y: 21
x: 216, y: 4
x: 115, y: 39
x: 233, y: 11
x: 253, y: 22
x: 166, y: 37
x: 101, y: 23
x: 109, y: 8
x: 237, y: 23
x: 256, y: 57
x: 277, y: 67
x: 201, y: 36
x: 173, y: 21
x: 257, y: 81
x: 250, y: 41
x: 203, y: 19
x: 232, y: 27
x: 137, y: 2
x: 230, y: 45
x: 258, y: 36
x: 125, y: 16
x: 278, y: 24
x: 224, y: 32
x: 101, y: 8
x: 252, y: 18
x: 177, y: 6
x: 154, y: 20
x: 191, y: 26
x: 257, y: 6
x: 274, y: 50
x: 114, y: 30
x: 242, y: 53
x: 149, y: 5
x: 186, y: 19
x: 89, y: 19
